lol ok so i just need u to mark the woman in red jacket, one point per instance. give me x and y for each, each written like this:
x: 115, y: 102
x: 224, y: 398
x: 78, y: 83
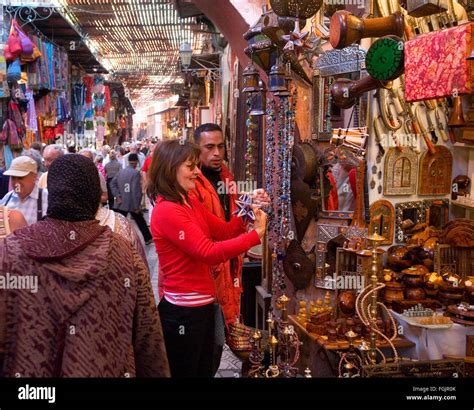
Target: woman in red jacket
x: 189, y: 240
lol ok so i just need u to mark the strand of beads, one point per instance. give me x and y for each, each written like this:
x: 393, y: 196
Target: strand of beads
x: 250, y: 171
x: 270, y: 179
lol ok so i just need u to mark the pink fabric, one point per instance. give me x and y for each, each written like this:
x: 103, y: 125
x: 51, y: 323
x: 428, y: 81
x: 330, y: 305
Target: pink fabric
x: 436, y: 65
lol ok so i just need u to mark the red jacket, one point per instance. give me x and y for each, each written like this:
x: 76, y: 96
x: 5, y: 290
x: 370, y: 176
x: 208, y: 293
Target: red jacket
x: 228, y: 275
x: 185, y: 242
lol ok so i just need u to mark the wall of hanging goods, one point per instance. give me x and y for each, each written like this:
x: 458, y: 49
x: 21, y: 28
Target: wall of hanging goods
x: 46, y: 92
x: 372, y: 224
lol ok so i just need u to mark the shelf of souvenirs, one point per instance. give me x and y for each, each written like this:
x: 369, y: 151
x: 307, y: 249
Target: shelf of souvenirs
x: 322, y: 340
x: 464, y: 202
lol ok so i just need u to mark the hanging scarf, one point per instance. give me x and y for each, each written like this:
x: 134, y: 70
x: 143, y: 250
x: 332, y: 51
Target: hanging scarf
x: 107, y: 98
x: 32, y: 121
x: 88, y: 82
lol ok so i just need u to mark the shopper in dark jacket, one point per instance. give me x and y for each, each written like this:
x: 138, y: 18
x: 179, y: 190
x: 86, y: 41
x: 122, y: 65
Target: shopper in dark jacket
x: 127, y: 190
x: 112, y: 168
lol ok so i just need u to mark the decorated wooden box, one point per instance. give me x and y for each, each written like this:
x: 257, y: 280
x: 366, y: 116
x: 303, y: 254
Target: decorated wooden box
x: 436, y: 64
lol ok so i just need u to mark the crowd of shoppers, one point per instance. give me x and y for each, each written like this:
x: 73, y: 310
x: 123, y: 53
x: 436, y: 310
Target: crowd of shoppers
x: 63, y: 224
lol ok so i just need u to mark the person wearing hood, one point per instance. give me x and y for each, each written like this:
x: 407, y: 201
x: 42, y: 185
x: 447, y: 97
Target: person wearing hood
x: 86, y: 308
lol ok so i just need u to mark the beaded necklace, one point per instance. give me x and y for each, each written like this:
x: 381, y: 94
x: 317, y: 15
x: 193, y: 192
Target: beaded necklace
x: 278, y: 182
x: 250, y: 157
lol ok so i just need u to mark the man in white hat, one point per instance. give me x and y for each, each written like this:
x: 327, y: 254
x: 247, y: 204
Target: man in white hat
x: 26, y: 196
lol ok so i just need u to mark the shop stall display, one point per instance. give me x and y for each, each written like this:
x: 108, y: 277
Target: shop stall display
x: 358, y: 123
x: 377, y: 246
x: 50, y: 99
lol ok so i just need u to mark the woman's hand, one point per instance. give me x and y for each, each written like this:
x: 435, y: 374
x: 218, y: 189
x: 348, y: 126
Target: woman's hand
x: 260, y: 198
x: 260, y: 223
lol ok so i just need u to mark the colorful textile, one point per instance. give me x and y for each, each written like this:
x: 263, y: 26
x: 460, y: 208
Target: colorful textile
x: 436, y: 64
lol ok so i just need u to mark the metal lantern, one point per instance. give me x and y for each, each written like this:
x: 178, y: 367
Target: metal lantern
x: 258, y: 100
x: 277, y: 78
x: 185, y: 55
x: 251, y: 79
x: 288, y: 80
x: 303, y: 9
x: 262, y: 51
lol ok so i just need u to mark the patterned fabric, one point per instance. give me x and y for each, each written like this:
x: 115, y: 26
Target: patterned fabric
x: 93, y: 315
x: 436, y: 65
x: 28, y: 207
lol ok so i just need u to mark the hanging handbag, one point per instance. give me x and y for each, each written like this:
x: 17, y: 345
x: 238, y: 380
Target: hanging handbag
x: 25, y: 58
x: 26, y: 43
x: 14, y: 45
x: 7, y: 54
x: 14, y: 71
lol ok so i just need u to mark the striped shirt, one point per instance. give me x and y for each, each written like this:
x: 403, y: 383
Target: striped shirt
x: 29, y: 206
x: 192, y: 299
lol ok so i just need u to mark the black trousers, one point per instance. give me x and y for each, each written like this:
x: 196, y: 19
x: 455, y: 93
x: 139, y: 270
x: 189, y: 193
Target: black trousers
x: 140, y: 220
x: 189, y: 339
x: 111, y: 195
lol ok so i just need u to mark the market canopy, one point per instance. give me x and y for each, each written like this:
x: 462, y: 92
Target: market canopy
x: 140, y: 40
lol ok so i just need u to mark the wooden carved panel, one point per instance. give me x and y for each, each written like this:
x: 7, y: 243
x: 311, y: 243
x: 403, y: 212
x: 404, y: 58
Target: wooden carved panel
x: 401, y: 169
x: 435, y: 172
x: 382, y: 220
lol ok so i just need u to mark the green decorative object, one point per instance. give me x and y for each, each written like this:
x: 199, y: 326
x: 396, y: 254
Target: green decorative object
x: 385, y: 58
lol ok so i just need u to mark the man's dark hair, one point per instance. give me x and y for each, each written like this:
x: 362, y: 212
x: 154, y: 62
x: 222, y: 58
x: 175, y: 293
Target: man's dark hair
x: 209, y: 127
x: 37, y: 146
x: 133, y: 158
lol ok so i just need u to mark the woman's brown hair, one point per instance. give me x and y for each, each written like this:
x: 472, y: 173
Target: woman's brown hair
x: 167, y: 158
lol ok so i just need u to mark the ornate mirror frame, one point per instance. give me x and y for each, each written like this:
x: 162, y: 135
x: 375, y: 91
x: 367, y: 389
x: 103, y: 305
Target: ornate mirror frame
x: 378, y: 210
x: 324, y: 234
x: 439, y: 203
x: 331, y: 64
x: 400, y: 172
x: 418, y: 206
